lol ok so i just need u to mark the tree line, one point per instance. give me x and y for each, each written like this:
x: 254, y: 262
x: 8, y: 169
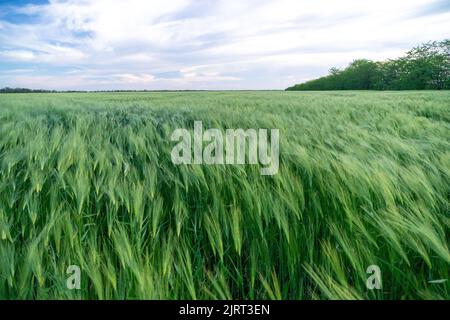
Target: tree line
x: 23, y: 90
x: 425, y: 67
x: 26, y: 90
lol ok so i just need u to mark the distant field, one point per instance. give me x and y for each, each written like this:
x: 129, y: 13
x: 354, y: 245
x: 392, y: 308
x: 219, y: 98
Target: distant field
x: 87, y: 180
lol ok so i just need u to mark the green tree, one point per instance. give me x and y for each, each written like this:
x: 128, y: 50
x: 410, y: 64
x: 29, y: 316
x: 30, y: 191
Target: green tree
x: 424, y: 67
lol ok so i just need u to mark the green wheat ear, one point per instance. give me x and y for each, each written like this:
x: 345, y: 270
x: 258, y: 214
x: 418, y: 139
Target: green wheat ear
x: 87, y: 180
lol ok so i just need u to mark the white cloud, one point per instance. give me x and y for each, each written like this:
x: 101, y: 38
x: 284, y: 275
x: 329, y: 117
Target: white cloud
x: 222, y: 43
x: 135, y: 78
x: 20, y: 55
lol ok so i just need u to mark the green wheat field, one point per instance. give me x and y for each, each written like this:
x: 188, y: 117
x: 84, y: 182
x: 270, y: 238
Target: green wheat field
x: 87, y: 180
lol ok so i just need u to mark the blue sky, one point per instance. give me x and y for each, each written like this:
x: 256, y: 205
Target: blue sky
x: 203, y: 44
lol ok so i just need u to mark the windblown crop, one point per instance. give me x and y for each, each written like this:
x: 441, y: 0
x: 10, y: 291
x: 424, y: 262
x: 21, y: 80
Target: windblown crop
x: 87, y: 180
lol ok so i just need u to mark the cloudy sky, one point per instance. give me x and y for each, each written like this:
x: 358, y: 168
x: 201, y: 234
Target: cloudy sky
x: 203, y: 44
